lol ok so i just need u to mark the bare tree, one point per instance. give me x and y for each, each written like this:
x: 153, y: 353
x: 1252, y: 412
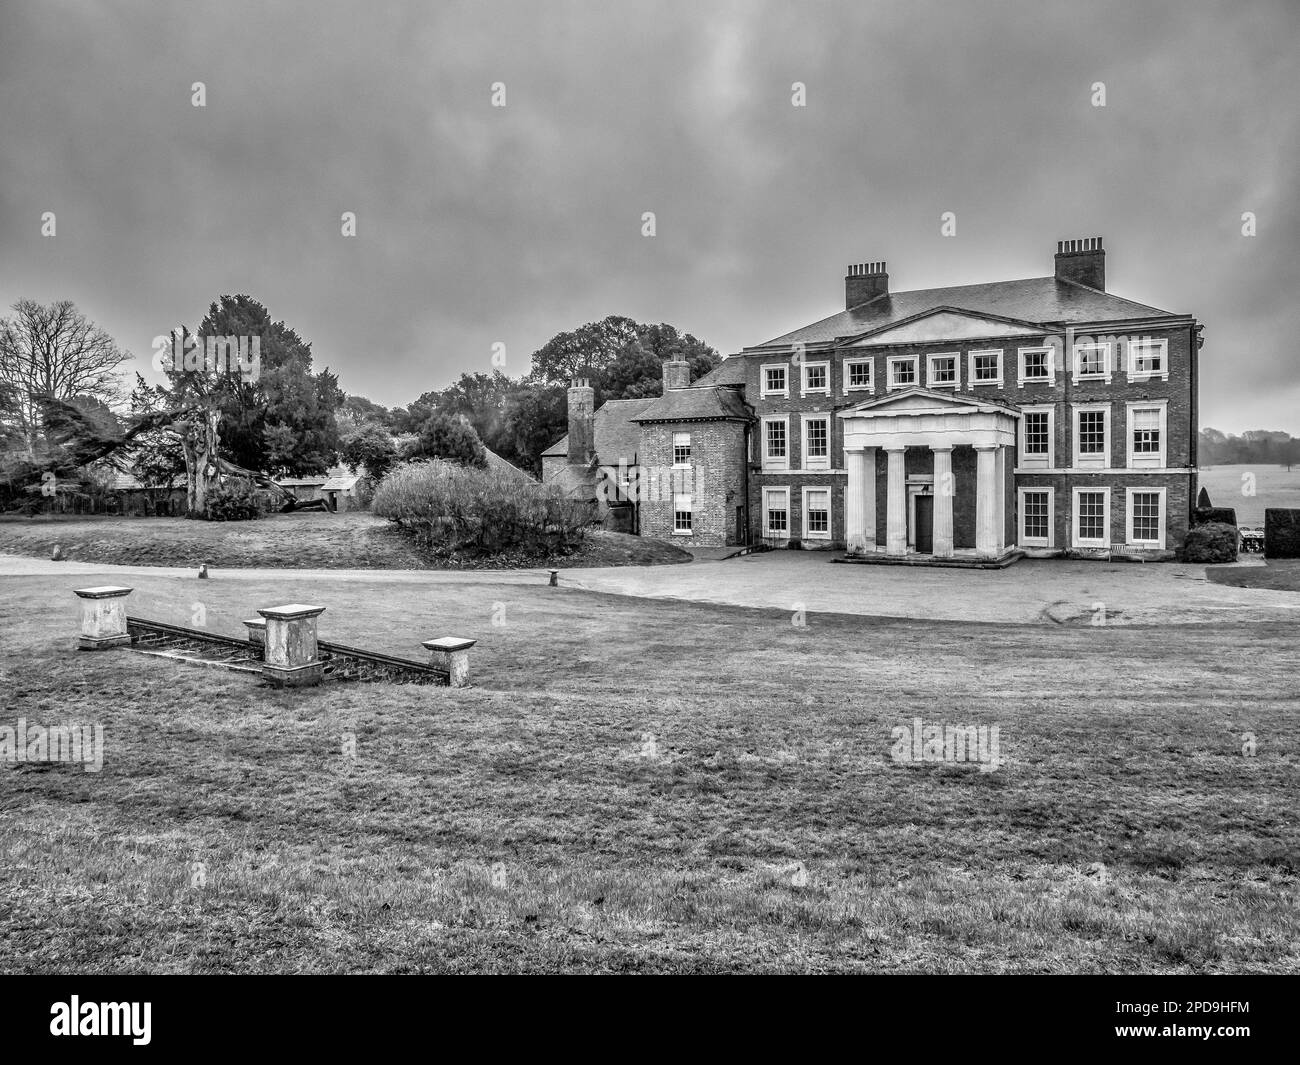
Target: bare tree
x: 54, y: 352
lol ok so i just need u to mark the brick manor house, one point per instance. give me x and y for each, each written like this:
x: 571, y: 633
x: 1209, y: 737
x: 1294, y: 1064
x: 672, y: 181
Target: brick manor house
x: 971, y: 424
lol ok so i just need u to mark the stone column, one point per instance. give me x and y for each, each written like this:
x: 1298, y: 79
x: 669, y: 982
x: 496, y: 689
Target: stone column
x: 103, y: 617
x: 451, y: 655
x: 896, y: 503
x: 1000, y: 503
x: 290, y: 659
x: 944, y: 490
x: 869, y: 497
x: 855, y: 519
x: 986, y: 500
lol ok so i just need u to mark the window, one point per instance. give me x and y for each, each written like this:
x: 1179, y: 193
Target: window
x: 1037, y: 437
x: 1146, y: 516
x: 1091, y: 362
x: 776, y: 512
x: 817, y: 378
x: 774, y: 381
x: 942, y: 370
x: 902, y: 371
x: 682, y: 515
x: 858, y: 376
x: 985, y: 368
x: 1092, y: 435
x: 775, y: 452
x: 1091, y: 517
x: 681, y: 450
x: 817, y: 513
x: 1148, y: 358
x: 816, y: 443
x: 1037, y: 366
x: 1146, y: 435
x: 1036, y: 517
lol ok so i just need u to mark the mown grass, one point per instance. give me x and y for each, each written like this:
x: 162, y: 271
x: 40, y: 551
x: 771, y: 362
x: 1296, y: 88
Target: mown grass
x: 642, y: 786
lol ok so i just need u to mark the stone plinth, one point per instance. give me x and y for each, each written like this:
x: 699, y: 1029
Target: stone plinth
x: 451, y: 655
x: 290, y: 656
x: 256, y: 632
x: 103, y: 617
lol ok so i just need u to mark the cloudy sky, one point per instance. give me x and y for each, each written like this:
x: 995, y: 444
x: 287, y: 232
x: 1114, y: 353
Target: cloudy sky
x: 479, y: 224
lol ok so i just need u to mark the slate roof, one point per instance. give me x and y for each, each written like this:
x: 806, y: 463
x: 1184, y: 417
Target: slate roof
x: 686, y: 404
x: 1035, y: 299
x: 728, y: 372
x: 618, y: 438
x: 496, y: 462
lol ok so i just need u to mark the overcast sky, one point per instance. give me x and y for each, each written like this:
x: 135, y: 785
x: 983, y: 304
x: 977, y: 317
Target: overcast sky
x: 478, y: 225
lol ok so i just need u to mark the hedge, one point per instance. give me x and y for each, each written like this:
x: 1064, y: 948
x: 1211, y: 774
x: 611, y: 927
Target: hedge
x: 1216, y: 515
x: 1281, y: 533
x: 1209, y: 543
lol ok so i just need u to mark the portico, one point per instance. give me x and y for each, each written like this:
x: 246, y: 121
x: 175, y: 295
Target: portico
x: 927, y: 477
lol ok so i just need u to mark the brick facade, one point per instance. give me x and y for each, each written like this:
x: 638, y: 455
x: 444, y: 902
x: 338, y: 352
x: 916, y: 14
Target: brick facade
x: 714, y: 480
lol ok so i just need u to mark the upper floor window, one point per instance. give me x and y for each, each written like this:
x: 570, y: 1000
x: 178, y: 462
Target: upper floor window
x: 775, y: 456
x: 985, y: 368
x: 1091, y: 362
x: 681, y: 449
x: 902, y: 371
x: 858, y: 375
x: 817, y: 377
x: 942, y: 370
x: 816, y: 443
x: 1148, y: 358
x: 775, y: 382
x: 1146, y: 435
x: 1036, y: 437
x: 1092, y: 435
x: 1037, y: 365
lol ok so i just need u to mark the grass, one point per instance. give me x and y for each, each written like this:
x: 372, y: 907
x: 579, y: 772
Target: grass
x: 307, y: 540
x: 1282, y: 575
x: 643, y: 786
x: 1270, y: 486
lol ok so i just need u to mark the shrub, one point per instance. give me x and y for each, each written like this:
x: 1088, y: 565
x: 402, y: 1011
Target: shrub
x: 454, y: 508
x: 1281, y: 533
x: 233, y: 500
x: 1214, y: 515
x: 1212, y: 542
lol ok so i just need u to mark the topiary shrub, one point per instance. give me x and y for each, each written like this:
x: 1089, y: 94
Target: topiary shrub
x: 1281, y: 533
x: 1209, y: 543
x: 1214, y: 515
x: 233, y: 500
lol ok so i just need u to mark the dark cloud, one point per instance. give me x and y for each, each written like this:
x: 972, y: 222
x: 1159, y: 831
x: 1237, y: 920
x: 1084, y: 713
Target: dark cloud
x: 478, y: 224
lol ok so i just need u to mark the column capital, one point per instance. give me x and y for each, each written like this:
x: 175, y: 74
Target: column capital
x: 891, y: 448
x: 987, y: 447
x: 941, y: 447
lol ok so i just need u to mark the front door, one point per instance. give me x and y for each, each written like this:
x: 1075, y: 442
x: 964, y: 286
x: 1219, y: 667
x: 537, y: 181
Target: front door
x: 925, y: 525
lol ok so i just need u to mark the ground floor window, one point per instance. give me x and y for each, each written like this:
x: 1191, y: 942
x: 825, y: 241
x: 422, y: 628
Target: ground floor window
x: 776, y: 512
x: 682, y: 514
x: 1092, y: 517
x: 1146, y: 516
x: 1036, y: 517
x: 817, y: 513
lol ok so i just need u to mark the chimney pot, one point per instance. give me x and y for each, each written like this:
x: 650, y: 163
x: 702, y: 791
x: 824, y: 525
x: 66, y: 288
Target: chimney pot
x: 1082, y: 261
x: 865, y: 281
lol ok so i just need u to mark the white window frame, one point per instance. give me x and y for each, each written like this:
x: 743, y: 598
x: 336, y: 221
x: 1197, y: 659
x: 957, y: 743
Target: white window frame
x: 1026, y: 461
x: 688, y: 509
x: 784, y: 367
x: 870, y: 386
x: 1090, y: 462
x: 804, y: 513
x: 681, y: 465
x: 1075, y: 540
x: 808, y: 462
x: 804, y: 390
x: 770, y: 462
x: 1129, y: 493
x: 768, y: 494
x: 1146, y: 461
x: 1037, y: 541
x: 1130, y: 358
x: 955, y: 383
x: 1050, y: 379
x: 971, y: 380
x: 891, y: 360
x: 1107, y: 363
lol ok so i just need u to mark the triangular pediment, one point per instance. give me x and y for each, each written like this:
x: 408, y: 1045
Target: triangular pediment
x: 923, y: 400
x: 943, y: 324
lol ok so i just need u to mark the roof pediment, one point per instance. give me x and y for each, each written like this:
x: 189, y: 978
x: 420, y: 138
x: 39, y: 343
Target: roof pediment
x: 924, y: 401
x: 943, y: 324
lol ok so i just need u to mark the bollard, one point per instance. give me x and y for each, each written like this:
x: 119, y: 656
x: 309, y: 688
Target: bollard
x: 103, y: 617
x: 257, y: 632
x: 290, y: 658
x: 451, y: 655
x: 555, y: 577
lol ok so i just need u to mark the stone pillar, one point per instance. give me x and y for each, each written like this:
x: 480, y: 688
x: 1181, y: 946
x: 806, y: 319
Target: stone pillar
x: 944, y: 490
x: 855, y: 519
x: 290, y: 658
x: 986, y: 500
x: 451, y: 655
x: 896, y: 503
x: 1000, y: 472
x: 257, y: 633
x: 103, y: 617
x: 869, y: 497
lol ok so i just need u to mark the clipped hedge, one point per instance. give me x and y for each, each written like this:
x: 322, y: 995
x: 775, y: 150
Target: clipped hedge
x: 453, y: 509
x: 1209, y: 543
x: 1214, y: 515
x: 1281, y: 533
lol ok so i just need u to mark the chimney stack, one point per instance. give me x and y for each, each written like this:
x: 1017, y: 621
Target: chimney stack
x: 1081, y: 261
x: 582, y: 422
x: 865, y: 281
x: 677, y: 373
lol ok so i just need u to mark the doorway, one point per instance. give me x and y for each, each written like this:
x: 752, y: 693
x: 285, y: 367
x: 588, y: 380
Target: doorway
x: 924, y: 537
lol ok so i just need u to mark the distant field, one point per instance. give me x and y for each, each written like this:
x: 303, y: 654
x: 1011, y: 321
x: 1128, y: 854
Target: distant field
x: 1273, y: 485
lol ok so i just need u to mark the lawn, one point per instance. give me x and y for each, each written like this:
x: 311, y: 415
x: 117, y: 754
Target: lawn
x: 646, y: 786
x: 1251, y: 488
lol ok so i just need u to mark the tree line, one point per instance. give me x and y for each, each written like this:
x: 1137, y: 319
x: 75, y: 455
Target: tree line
x: 1259, y: 446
